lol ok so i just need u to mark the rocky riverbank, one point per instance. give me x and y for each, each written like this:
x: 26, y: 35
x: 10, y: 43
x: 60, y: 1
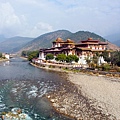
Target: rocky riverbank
x: 87, y: 97
x: 77, y: 102
x: 105, y: 91
x: 2, y: 60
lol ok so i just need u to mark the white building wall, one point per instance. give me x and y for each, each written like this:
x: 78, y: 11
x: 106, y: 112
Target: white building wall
x: 41, y: 56
x: 7, y: 56
x: 82, y: 60
x: 93, y: 48
x: 70, y: 53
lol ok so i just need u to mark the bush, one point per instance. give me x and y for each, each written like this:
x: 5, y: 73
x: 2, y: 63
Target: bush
x: 71, y: 58
x: 49, y: 56
x: 105, y: 67
x: 118, y: 63
x: 33, y: 54
x: 61, y: 57
x: 92, y: 65
x: 0, y: 55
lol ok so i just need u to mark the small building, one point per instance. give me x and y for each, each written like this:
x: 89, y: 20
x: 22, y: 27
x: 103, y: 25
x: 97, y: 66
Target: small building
x: 6, y: 55
x: 83, y: 49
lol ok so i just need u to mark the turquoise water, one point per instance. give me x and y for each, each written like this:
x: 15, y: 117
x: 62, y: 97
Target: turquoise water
x: 24, y: 86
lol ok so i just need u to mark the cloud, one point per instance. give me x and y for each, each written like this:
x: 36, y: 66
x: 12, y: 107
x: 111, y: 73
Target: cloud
x: 97, y: 16
x: 10, y: 23
x: 40, y: 28
x: 23, y: 17
x: 13, y: 24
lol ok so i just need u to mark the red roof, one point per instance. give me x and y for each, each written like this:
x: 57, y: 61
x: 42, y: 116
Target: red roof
x: 89, y: 40
x: 69, y: 41
x: 59, y: 40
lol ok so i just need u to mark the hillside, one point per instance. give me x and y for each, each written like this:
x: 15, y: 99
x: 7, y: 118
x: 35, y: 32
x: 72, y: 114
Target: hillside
x: 112, y: 46
x: 18, y: 44
x: 83, y: 35
x: 11, y: 43
x: 46, y: 40
x: 117, y: 42
x: 2, y: 38
x: 114, y: 38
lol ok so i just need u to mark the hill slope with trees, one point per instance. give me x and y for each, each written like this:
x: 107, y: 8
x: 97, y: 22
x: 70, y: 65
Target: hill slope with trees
x: 13, y: 44
x: 45, y: 40
x: 19, y: 44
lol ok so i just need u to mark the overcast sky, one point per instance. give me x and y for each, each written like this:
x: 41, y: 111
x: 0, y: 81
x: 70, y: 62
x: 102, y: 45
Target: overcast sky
x: 32, y: 18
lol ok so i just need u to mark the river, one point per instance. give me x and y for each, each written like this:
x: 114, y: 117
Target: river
x: 24, y: 86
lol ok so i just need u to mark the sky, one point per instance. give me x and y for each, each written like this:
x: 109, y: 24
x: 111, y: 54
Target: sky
x: 32, y: 18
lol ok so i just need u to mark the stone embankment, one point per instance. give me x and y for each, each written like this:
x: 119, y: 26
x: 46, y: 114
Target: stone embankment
x: 60, y: 67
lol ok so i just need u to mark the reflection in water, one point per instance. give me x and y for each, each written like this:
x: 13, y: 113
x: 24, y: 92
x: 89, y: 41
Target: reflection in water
x: 24, y: 86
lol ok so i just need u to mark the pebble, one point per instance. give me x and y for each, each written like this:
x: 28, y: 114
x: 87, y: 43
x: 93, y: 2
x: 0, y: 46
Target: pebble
x: 74, y: 104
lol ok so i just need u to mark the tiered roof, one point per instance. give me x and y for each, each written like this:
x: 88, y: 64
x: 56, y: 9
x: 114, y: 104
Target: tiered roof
x: 91, y: 41
x: 81, y: 46
x: 58, y: 40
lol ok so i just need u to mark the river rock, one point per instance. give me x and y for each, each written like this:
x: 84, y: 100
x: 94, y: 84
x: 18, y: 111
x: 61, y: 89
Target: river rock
x: 15, y: 114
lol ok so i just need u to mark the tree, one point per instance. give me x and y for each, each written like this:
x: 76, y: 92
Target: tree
x: 49, y: 56
x: 71, y: 58
x: 76, y: 59
x: 118, y: 63
x: 24, y: 53
x: 33, y: 54
x: 0, y: 55
x: 95, y: 59
x: 88, y: 59
x: 105, y: 67
x: 115, y: 58
x: 105, y: 55
x: 61, y: 57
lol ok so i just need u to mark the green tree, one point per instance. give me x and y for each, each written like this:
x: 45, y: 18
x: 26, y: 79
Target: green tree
x: 115, y: 58
x: 0, y: 55
x: 49, y: 56
x: 95, y: 59
x: 33, y: 54
x: 88, y: 60
x: 71, y: 58
x: 105, y: 67
x: 24, y: 53
x: 61, y: 57
x: 105, y: 55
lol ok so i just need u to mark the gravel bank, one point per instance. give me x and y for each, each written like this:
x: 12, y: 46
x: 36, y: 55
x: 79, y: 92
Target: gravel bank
x: 88, y: 97
x: 104, y: 91
x: 2, y: 60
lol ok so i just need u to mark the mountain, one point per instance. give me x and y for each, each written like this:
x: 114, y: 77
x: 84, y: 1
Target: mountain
x: 19, y: 44
x: 84, y: 35
x: 2, y: 38
x: 9, y: 44
x: 117, y: 42
x: 45, y: 40
x: 114, y: 38
x: 112, y: 46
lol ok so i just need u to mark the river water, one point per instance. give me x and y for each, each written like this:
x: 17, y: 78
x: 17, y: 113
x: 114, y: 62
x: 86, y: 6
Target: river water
x: 25, y: 86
